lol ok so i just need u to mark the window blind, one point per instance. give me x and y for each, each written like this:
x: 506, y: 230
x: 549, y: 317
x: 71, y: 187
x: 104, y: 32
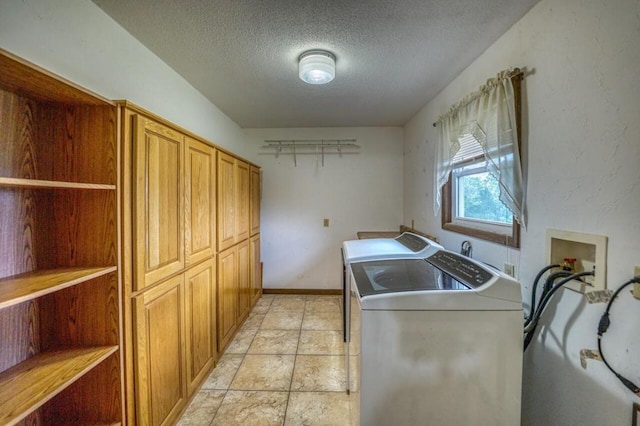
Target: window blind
x: 470, y: 150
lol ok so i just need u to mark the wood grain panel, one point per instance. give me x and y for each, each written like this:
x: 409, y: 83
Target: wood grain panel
x: 200, y: 311
x: 82, y: 147
x: 159, y: 202
x: 243, y: 197
x: 160, y: 357
x: 200, y: 205
x: 226, y: 201
x: 17, y: 134
x: 17, y: 228
x: 127, y: 269
x: 244, y: 284
x: 255, y: 268
x: 227, y: 296
x: 79, y: 227
x: 254, y: 203
x: 81, y: 315
x: 19, y: 333
x: 93, y: 399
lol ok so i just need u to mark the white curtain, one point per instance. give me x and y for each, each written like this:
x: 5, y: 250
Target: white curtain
x: 489, y: 116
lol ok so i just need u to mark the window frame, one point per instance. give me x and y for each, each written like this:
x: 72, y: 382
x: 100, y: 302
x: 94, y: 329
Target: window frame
x: 449, y: 223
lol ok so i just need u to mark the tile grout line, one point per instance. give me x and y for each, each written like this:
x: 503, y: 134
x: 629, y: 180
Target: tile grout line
x: 295, y: 360
x: 244, y: 355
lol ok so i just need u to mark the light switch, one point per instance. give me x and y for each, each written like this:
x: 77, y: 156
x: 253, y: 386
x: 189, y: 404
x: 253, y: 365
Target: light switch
x: 326, y: 223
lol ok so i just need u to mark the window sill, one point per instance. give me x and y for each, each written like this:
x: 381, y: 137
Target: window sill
x: 494, y: 237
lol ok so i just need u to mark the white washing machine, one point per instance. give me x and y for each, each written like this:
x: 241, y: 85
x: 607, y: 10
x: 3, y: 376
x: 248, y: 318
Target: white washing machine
x: 435, y: 341
x: 405, y: 246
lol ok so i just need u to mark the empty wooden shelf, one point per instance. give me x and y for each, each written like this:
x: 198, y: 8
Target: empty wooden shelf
x: 30, y: 384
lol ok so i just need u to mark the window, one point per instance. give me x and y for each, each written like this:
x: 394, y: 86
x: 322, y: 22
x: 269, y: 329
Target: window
x: 477, y: 197
x: 472, y: 205
x: 478, y: 165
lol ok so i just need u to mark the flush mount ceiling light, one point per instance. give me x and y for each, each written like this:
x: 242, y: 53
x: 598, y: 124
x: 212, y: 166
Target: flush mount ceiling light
x: 317, y: 67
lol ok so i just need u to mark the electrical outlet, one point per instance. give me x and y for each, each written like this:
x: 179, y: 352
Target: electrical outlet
x: 326, y: 223
x: 636, y: 286
x: 510, y: 269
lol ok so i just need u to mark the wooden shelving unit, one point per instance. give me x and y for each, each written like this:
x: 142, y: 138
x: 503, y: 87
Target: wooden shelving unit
x: 60, y: 326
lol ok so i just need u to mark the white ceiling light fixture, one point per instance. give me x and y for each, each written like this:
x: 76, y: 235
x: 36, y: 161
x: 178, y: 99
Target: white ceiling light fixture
x: 317, y: 67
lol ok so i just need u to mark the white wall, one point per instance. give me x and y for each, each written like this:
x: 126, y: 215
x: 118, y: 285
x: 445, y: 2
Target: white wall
x: 358, y: 192
x: 582, y: 157
x: 77, y: 40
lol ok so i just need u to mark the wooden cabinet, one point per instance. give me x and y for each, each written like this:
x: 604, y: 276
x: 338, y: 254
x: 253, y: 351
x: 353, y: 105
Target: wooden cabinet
x: 235, y: 297
x: 244, y: 283
x: 200, y: 289
x: 158, y: 201
x: 234, y: 180
x: 243, y: 179
x: 160, y: 347
x: 254, y: 202
x: 200, y: 202
x: 187, y: 281
x: 238, y: 219
x: 227, y: 295
x: 255, y: 269
x: 170, y: 233
x: 59, y: 262
x: 226, y: 201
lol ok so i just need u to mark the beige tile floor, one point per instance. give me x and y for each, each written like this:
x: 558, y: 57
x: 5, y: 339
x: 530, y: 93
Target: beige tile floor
x: 285, y: 366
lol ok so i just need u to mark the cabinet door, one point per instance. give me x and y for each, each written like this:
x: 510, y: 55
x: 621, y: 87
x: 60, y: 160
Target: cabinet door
x: 226, y: 201
x: 227, y: 295
x: 159, y: 353
x: 201, y: 322
x: 158, y: 202
x: 243, y: 196
x: 255, y: 268
x: 200, y: 201
x: 244, y: 290
x: 254, y: 203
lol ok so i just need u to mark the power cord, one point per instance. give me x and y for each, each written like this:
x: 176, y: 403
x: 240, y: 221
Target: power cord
x: 603, y: 326
x: 530, y: 327
x: 534, y: 290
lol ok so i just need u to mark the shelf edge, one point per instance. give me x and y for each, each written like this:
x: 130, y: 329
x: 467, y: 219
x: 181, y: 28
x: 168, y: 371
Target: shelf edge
x: 90, y: 273
x: 50, y: 184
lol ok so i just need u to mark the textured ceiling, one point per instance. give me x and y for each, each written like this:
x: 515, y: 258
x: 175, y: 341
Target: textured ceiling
x: 392, y: 56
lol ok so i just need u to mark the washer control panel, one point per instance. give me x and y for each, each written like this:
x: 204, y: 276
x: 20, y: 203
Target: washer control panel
x: 412, y: 242
x: 461, y: 268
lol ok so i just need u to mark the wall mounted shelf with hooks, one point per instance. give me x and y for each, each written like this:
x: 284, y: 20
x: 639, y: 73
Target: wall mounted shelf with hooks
x: 318, y: 147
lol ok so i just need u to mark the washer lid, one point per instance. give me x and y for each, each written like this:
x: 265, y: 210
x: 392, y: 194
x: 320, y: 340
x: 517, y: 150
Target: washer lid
x: 445, y: 281
x: 374, y: 248
x: 401, y: 275
x: 405, y: 246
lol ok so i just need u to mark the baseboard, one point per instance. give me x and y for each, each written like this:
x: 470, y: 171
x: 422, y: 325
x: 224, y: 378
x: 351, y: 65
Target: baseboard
x: 306, y: 291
